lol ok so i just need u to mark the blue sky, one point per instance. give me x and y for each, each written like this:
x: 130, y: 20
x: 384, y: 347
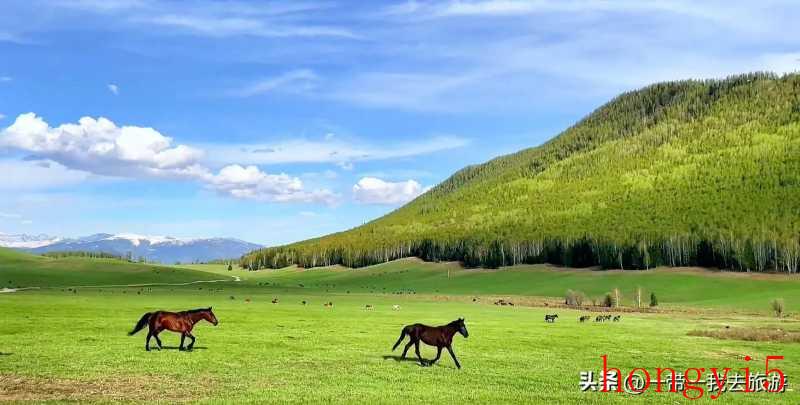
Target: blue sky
x: 278, y: 121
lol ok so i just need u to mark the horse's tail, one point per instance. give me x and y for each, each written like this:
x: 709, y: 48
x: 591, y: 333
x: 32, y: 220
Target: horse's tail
x: 141, y: 324
x: 403, y: 334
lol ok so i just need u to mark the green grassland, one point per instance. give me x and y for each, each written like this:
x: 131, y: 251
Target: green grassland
x: 690, y: 287
x: 21, y: 270
x: 61, y: 345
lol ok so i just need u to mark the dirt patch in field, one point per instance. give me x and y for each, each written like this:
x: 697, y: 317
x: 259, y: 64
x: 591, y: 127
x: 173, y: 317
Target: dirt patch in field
x: 134, y: 388
x: 751, y: 334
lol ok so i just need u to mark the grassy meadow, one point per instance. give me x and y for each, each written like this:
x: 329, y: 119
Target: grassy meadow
x: 58, y: 344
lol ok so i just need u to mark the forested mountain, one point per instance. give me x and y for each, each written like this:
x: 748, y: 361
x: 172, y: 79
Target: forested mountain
x: 679, y: 173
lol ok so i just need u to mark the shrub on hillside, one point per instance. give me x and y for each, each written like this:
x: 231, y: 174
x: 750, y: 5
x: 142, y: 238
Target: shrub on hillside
x: 608, y: 300
x: 574, y: 298
x: 777, y: 306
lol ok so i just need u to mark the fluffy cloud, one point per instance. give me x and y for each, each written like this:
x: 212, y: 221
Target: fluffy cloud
x: 98, y: 146
x: 253, y: 184
x: 372, y: 190
x: 113, y: 88
x: 101, y: 147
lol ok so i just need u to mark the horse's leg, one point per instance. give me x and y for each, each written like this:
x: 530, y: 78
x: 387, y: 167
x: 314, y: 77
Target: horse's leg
x: 183, y: 336
x: 419, y: 356
x: 147, y: 342
x: 453, y: 355
x: 438, y: 354
x: 408, y: 346
x: 155, y: 335
x: 191, y: 345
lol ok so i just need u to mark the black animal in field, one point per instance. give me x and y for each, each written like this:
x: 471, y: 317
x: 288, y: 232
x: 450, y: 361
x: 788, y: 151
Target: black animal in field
x: 438, y: 336
x: 617, y: 318
x: 550, y: 318
x: 585, y: 318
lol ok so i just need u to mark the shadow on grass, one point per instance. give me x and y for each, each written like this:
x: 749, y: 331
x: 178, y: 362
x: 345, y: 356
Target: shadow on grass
x: 406, y: 359
x: 177, y: 348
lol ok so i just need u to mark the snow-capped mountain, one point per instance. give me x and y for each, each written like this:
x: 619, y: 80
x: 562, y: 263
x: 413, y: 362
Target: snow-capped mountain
x: 26, y: 241
x: 164, y: 249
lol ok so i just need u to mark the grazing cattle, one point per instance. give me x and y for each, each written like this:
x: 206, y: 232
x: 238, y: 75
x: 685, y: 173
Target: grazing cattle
x: 617, y: 318
x: 395, y: 307
x: 274, y: 300
x: 585, y: 318
x: 181, y: 322
x: 247, y: 300
x: 550, y: 318
x: 328, y: 305
x: 304, y: 302
x: 369, y: 306
x: 438, y: 336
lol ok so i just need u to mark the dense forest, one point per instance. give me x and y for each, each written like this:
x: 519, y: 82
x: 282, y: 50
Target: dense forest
x: 85, y: 254
x: 702, y: 173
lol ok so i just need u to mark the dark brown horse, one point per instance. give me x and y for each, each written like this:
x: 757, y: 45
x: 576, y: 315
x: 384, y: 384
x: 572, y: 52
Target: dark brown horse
x: 439, y: 336
x: 181, y: 322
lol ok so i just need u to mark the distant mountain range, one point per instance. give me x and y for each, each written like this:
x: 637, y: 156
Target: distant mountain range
x: 163, y: 249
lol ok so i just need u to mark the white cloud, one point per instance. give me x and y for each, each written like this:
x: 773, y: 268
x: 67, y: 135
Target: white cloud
x: 98, y: 146
x: 113, y: 88
x: 295, y: 81
x: 101, y: 147
x: 6, y: 79
x: 253, y: 184
x: 372, y: 190
x: 336, y: 151
x: 2, y: 116
x: 222, y: 27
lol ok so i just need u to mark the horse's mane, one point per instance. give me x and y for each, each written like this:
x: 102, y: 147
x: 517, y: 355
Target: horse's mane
x: 194, y: 311
x: 456, y: 322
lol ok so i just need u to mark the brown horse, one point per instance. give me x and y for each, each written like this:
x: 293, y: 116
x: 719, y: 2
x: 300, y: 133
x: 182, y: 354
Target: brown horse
x: 439, y: 336
x: 180, y: 322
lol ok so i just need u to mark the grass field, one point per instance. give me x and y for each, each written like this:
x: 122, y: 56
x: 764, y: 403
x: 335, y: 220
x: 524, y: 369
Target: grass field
x: 61, y: 345
x: 21, y: 270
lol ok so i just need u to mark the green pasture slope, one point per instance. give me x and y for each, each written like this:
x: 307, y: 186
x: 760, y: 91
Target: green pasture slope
x: 696, y: 288
x: 61, y: 345
x: 20, y: 270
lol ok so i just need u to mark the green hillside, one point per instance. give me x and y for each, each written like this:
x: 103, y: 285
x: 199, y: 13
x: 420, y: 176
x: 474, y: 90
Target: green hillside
x: 680, y: 173
x: 24, y: 270
x: 411, y: 278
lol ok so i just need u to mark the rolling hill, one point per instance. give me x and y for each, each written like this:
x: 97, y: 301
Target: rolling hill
x: 680, y: 173
x: 20, y: 270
